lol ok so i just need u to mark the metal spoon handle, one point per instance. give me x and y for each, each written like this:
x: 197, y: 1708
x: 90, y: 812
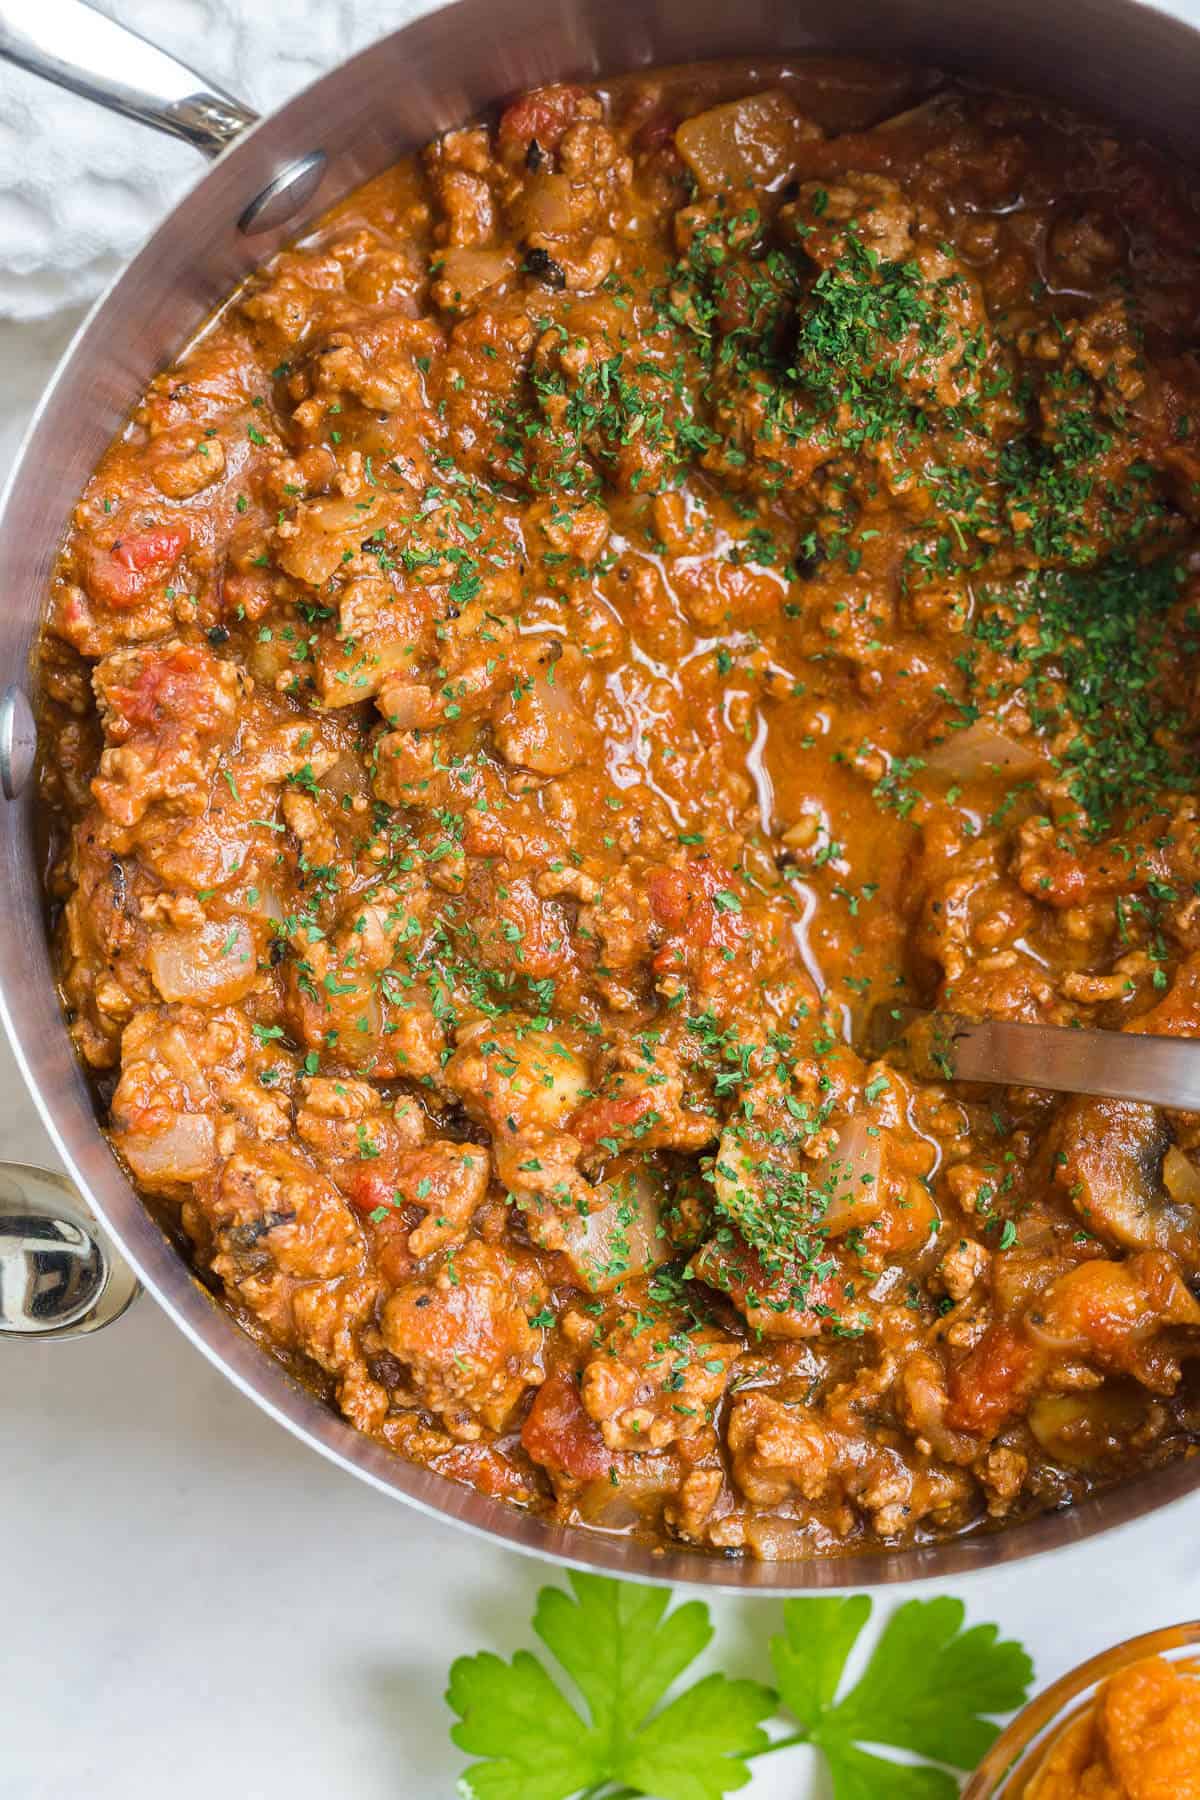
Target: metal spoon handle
x: 1123, y: 1065
x: 77, y: 47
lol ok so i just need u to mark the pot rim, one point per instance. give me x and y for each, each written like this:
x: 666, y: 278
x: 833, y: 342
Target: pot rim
x: 29, y: 1005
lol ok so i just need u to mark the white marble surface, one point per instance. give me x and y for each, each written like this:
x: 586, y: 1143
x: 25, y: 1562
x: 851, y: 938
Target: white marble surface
x: 193, y: 1604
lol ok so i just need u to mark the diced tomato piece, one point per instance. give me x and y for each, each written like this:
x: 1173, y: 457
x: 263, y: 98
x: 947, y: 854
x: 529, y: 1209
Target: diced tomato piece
x: 559, y: 1434
x: 1062, y: 877
x: 120, y: 575
x: 246, y: 593
x: 609, y: 1117
x: 485, y: 1468
x: 368, y: 1185
x: 672, y: 897
x: 166, y: 688
x: 545, y: 114
x: 185, y: 686
x: 991, y: 1383
x: 159, y: 548
x: 1063, y: 880
x: 389, y: 1247
x: 694, y: 908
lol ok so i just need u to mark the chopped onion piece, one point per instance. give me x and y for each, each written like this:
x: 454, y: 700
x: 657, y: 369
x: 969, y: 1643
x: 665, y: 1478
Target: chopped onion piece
x: 319, y: 538
x: 621, y: 1236
x: 546, y: 208
x: 923, y: 113
x: 181, y: 1149
x: 746, y: 143
x: 849, y: 1175
x: 646, y: 1481
x: 407, y: 706
x: 264, y: 903
x: 982, y: 749
x: 466, y: 272
x: 214, y: 963
x: 347, y: 777
x: 542, y: 726
x: 764, y: 1180
x: 1181, y: 1177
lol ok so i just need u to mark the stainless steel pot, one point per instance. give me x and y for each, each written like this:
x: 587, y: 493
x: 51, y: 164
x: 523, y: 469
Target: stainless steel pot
x: 270, y: 177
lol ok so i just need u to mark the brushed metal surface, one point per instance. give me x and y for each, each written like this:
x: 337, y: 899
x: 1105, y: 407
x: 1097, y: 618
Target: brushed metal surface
x: 1125, y: 1065
x: 59, y: 1276
x: 1127, y: 59
x: 1122, y: 1065
x: 72, y: 44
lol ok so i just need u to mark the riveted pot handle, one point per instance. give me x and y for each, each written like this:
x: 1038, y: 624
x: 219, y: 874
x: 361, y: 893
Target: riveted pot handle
x: 77, y: 47
x: 59, y: 1275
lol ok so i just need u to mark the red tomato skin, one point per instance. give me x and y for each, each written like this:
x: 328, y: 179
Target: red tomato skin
x: 559, y: 1435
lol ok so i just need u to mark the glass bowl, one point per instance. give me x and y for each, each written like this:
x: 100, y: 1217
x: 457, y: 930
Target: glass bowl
x: 1014, y: 1758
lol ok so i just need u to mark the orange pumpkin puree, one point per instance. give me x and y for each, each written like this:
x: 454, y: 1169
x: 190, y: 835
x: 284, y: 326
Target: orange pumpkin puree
x: 1138, y: 1740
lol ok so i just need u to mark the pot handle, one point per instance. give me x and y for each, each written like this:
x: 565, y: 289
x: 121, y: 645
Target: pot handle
x: 59, y: 1275
x: 77, y: 47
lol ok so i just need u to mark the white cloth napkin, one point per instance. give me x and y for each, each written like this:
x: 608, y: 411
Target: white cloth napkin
x: 80, y: 188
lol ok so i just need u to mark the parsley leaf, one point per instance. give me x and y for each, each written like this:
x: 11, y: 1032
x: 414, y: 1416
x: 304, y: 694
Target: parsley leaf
x: 926, y: 1689
x: 859, y: 1776
x: 514, y: 1714
x: 623, y: 1654
x: 808, y: 1661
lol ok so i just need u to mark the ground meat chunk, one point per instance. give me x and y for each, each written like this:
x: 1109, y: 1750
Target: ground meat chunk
x: 287, y: 1247
x: 445, y: 1182
x: 339, y: 992
x: 271, y: 1209
x: 872, y: 208
x: 542, y: 723
x: 778, y: 1450
x: 168, y: 711
x: 342, y: 1121
x: 646, y: 1101
x: 525, y: 1085
x: 459, y: 166
x: 699, y: 1494
x: 190, y: 1091
x: 382, y: 1158
x: 962, y: 1266
x: 1002, y: 1472
x: 651, y: 1384
x: 777, y: 1297
x: 464, y: 1333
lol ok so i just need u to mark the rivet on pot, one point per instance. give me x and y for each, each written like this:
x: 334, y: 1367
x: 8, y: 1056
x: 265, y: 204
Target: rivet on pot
x: 18, y: 742
x: 282, y: 199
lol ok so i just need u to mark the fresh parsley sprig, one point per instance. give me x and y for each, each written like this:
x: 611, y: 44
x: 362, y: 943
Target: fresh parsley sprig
x: 928, y: 1689
x: 622, y: 1654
